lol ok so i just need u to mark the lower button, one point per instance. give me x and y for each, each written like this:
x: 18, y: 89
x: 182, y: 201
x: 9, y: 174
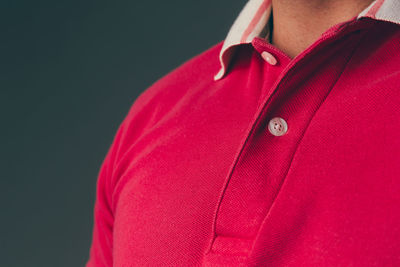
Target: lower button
x: 277, y: 126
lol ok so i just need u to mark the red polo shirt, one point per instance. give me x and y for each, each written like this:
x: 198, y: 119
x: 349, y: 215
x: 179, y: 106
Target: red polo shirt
x: 274, y: 162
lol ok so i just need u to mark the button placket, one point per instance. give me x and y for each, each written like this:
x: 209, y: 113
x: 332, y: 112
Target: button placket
x: 260, y: 168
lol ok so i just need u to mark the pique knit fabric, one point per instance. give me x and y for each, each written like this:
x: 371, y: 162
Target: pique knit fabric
x: 245, y: 158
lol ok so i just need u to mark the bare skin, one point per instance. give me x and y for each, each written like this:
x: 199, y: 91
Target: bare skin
x: 299, y: 23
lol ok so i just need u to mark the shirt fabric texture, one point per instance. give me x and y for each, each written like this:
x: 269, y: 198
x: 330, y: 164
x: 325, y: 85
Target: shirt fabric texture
x: 195, y: 178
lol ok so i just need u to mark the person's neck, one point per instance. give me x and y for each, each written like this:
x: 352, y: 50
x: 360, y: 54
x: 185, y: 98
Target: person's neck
x: 299, y: 23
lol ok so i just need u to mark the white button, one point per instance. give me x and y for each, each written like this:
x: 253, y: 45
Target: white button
x: 269, y: 58
x: 277, y: 126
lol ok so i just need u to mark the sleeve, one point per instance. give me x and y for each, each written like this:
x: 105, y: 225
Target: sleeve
x: 139, y: 116
x: 100, y: 254
x: 144, y: 112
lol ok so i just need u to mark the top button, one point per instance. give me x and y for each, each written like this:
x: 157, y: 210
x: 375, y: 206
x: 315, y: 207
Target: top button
x: 277, y: 126
x: 269, y: 58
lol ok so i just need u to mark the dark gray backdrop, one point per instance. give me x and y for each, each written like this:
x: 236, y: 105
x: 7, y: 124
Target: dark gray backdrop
x: 69, y: 71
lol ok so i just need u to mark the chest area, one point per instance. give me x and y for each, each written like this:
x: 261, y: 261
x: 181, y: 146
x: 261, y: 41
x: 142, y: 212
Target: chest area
x: 210, y: 174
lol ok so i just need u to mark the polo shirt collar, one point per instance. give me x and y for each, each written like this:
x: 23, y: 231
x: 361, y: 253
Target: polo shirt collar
x: 254, y: 18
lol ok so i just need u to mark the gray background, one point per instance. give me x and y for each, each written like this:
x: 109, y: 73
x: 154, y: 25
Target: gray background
x: 69, y: 71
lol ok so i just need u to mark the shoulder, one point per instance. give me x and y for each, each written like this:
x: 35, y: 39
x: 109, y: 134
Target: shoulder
x: 178, y: 82
x: 159, y: 99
